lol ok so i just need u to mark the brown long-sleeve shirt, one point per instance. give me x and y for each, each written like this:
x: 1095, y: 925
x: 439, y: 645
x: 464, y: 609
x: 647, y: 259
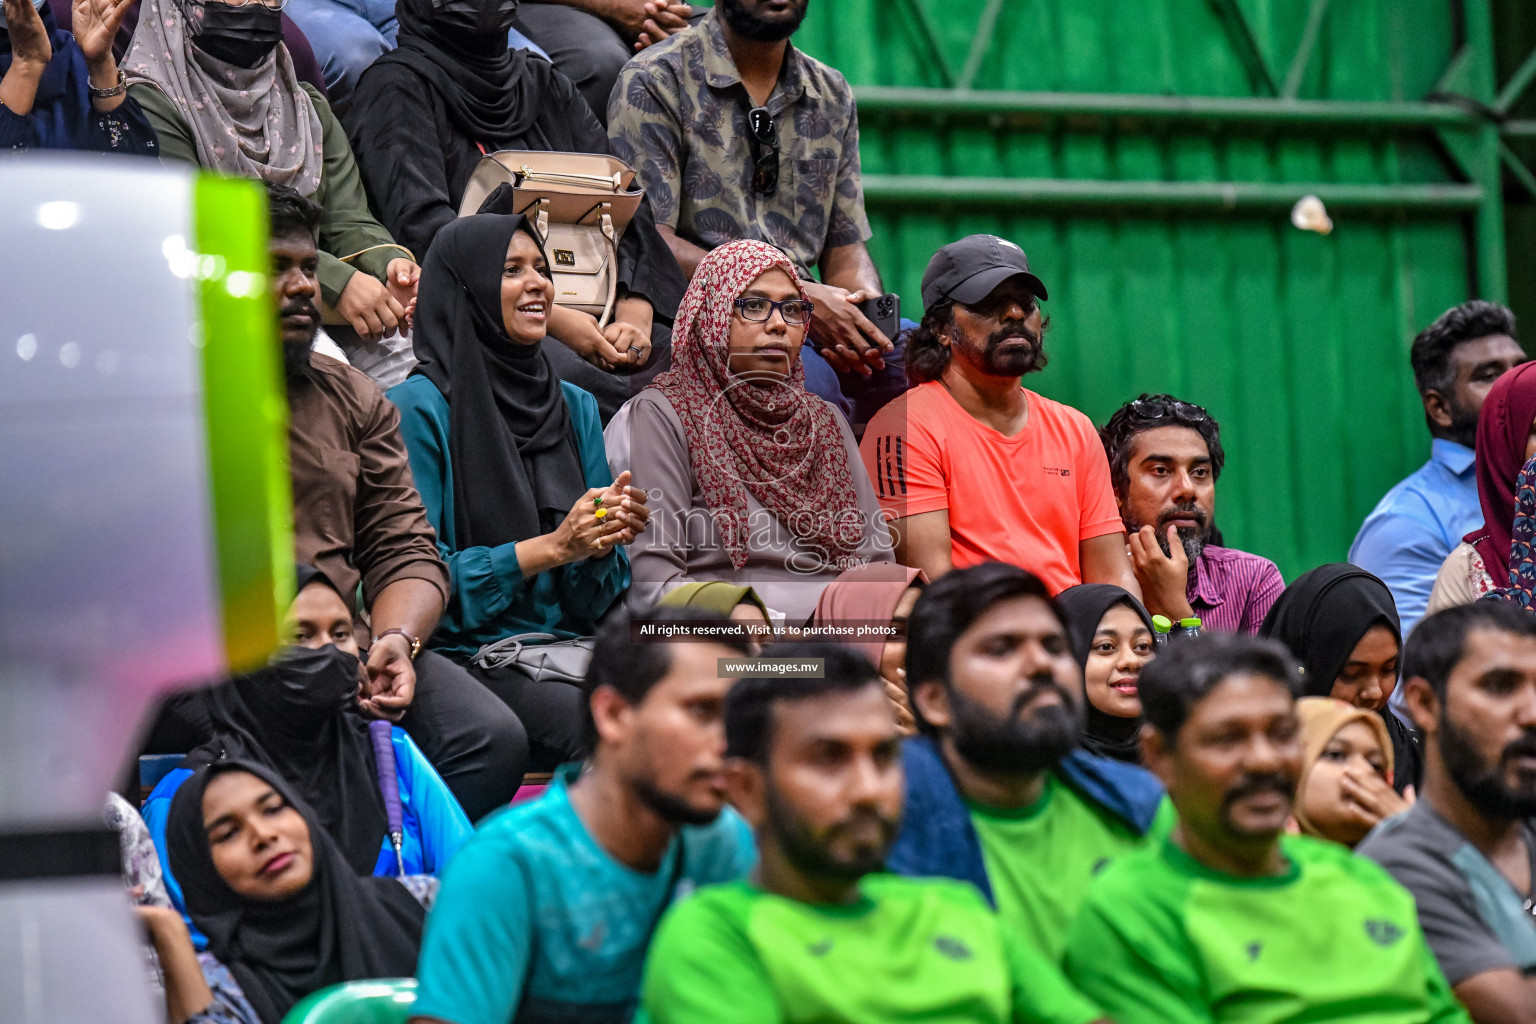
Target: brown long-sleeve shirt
x: 356, y: 514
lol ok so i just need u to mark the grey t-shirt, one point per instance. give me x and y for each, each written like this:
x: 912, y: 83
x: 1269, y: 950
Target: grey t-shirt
x: 1474, y: 919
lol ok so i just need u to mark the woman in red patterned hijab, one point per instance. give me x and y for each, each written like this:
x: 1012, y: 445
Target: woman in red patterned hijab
x: 754, y: 435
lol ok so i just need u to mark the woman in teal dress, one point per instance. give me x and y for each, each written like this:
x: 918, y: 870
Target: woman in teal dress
x: 510, y: 464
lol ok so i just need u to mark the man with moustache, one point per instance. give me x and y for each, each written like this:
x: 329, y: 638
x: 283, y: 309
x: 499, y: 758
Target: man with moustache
x: 1467, y: 849
x: 1412, y: 530
x: 545, y: 916
x: 996, y: 793
x: 819, y: 932
x: 1231, y: 919
x: 1164, y: 459
x: 358, y: 518
x: 972, y: 466
x: 735, y: 134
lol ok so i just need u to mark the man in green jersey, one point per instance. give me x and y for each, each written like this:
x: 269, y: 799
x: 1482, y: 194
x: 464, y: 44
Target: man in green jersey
x: 1231, y: 920
x: 997, y: 793
x: 819, y: 933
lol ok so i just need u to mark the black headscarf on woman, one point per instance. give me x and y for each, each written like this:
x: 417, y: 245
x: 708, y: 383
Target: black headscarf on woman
x: 1085, y: 607
x: 1321, y: 617
x: 298, y: 716
x: 340, y: 927
x: 516, y: 467
x: 493, y: 94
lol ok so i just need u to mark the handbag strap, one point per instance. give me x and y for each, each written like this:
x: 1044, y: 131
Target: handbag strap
x: 613, y: 267
x: 382, y: 734
x: 673, y: 877
x: 505, y: 651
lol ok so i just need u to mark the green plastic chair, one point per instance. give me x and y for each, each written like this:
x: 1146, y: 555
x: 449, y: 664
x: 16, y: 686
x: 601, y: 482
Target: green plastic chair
x: 385, y: 1001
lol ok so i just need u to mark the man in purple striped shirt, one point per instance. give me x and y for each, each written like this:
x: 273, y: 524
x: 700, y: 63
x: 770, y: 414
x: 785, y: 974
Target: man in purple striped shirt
x: 1164, y: 458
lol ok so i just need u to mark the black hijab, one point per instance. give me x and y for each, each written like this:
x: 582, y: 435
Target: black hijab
x: 1085, y: 607
x: 339, y: 927
x: 298, y: 716
x: 1321, y: 617
x: 516, y: 467
x: 493, y: 94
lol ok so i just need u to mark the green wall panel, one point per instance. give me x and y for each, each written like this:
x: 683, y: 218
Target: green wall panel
x: 1296, y: 342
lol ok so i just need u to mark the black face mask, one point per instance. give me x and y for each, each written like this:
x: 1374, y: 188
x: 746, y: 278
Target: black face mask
x: 303, y: 687
x: 488, y: 20
x: 242, y: 36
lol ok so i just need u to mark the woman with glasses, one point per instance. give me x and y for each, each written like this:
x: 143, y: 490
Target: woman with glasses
x: 510, y: 465
x: 219, y: 87
x: 63, y: 90
x: 425, y: 115
x: 752, y: 479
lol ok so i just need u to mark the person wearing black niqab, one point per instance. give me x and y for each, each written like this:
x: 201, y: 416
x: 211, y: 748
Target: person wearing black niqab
x: 1324, y: 618
x: 338, y: 927
x: 426, y: 113
x: 1085, y: 606
x: 297, y: 715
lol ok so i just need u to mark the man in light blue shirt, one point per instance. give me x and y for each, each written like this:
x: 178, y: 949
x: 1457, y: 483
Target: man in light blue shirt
x: 1411, y: 531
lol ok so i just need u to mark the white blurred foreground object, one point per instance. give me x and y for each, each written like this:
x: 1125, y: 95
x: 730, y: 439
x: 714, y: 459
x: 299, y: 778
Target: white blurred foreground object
x: 1309, y: 214
x: 147, y: 529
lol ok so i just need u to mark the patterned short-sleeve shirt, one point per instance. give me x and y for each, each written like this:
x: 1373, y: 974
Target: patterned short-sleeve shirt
x: 679, y: 117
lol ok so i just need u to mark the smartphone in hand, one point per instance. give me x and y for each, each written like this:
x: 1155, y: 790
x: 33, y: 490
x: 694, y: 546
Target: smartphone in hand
x: 884, y: 311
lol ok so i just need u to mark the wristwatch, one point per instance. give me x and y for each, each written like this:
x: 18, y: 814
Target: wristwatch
x: 117, y: 90
x: 414, y: 641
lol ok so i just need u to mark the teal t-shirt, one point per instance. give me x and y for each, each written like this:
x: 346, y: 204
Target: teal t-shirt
x: 1041, y: 859
x: 1162, y: 939
x: 910, y: 950
x: 537, y: 924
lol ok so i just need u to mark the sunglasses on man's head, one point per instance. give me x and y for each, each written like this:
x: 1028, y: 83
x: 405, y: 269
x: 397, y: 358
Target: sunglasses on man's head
x: 764, y: 141
x: 1149, y: 409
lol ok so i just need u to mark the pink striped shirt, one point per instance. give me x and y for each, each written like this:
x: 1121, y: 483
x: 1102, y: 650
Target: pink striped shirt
x: 1233, y: 590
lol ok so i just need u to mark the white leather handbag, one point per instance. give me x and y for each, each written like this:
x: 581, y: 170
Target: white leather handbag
x: 580, y: 204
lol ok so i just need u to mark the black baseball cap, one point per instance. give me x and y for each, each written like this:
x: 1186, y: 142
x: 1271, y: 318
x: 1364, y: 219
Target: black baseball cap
x: 969, y: 269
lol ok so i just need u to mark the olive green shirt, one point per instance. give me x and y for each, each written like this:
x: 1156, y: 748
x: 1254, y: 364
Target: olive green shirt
x: 347, y: 226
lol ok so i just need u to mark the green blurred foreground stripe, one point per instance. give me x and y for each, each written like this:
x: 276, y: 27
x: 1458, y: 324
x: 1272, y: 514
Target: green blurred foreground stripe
x: 246, y: 411
x: 386, y: 1001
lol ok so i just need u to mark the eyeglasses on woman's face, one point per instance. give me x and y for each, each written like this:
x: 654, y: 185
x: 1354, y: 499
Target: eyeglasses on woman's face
x: 759, y: 310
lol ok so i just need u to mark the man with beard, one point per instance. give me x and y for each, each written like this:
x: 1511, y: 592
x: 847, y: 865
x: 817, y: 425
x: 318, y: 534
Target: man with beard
x: 996, y: 792
x: 1411, y: 531
x: 358, y: 519
x: 819, y: 932
x: 736, y: 134
x: 547, y: 913
x: 972, y: 466
x: 1230, y: 919
x: 1164, y: 459
x: 1467, y: 849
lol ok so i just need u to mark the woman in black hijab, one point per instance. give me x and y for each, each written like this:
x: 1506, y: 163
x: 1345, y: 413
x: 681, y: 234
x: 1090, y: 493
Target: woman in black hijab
x: 299, y: 716
x: 1341, y: 623
x: 1111, y: 635
x: 282, y: 909
x: 511, y: 467
x: 423, y: 116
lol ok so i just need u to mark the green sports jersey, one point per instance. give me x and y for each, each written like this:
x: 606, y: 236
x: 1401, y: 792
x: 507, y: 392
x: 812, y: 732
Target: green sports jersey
x: 1162, y: 939
x: 910, y: 950
x: 1041, y: 859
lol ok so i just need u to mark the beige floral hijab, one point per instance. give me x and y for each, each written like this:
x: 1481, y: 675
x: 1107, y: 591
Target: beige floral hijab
x: 254, y: 123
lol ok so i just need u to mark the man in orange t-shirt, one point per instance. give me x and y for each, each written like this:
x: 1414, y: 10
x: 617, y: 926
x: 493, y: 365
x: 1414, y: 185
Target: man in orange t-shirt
x: 971, y: 466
